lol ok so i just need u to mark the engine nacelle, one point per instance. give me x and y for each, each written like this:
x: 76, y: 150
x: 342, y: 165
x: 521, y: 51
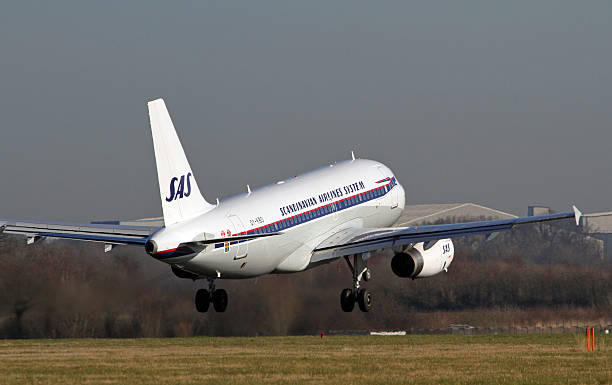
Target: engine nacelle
x: 424, y: 259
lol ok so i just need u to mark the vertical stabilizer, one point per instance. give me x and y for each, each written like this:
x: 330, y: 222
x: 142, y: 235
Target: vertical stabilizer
x: 180, y: 196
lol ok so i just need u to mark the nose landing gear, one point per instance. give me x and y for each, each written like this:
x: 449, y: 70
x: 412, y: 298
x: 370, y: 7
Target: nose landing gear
x: 204, y: 297
x: 363, y: 297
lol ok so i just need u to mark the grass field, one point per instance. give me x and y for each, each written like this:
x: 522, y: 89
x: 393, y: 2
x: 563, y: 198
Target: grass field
x: 418, y: 359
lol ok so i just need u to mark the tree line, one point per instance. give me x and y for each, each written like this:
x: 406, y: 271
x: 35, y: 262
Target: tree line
x: 71, y: 289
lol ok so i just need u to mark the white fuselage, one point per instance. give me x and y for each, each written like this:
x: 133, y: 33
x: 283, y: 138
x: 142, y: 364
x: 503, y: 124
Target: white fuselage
x: 305, y: 209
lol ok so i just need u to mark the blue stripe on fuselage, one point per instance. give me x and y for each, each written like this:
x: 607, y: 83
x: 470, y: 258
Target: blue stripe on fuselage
x: 319, y: 212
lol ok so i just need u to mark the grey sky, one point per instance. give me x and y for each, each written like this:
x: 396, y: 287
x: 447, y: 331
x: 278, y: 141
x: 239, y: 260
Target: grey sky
x: 499, y: 103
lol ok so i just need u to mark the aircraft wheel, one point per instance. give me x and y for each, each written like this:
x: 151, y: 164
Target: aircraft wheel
x: 202, y: 300
x: 219, y: 300
x: 365, y: 300
x: 347, y: 300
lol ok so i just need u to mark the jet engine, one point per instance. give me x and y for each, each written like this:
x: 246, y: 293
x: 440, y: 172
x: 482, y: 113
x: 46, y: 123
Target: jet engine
x: 423, y: 259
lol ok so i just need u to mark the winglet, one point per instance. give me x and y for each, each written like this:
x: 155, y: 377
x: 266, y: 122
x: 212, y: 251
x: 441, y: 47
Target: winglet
x: 577, y: 215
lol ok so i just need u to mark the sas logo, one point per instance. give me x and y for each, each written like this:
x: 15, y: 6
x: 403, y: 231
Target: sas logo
x: 178, y: 191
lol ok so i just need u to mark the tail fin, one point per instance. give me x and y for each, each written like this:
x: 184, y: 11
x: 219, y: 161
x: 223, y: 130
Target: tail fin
x: 180, y: 196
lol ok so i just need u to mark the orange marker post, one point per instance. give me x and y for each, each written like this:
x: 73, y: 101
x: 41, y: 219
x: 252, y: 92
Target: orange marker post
x: 592, y: 339
x: 588, y: 339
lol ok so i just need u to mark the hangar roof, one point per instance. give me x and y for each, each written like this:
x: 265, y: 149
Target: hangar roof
x: 598, y: 222
x: 417, y: 214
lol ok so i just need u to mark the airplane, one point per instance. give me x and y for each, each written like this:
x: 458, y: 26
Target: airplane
x: 343, y: 210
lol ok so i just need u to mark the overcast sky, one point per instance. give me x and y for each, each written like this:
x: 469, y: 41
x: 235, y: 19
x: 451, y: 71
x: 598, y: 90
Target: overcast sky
x: 504, y: 104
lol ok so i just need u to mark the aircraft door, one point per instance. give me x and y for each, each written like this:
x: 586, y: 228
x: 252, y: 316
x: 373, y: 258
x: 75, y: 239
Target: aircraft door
x: 237, y: 249
x: 382, y: 175
x: 393, y: 194
x: 334, y: 209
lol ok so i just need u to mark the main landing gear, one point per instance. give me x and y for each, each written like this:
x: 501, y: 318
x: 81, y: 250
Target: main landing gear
x: 204, y: 297
x: 363, y: 297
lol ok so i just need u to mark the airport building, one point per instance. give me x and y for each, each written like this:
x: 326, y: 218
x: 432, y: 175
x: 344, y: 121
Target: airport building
x: 599, y: 225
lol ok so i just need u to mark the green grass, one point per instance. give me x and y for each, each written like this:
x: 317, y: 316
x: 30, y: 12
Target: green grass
x: 418, y: 359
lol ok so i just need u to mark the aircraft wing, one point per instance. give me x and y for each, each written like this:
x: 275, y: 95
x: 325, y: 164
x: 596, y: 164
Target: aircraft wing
x: 110, y: 234
x: 353, y: 241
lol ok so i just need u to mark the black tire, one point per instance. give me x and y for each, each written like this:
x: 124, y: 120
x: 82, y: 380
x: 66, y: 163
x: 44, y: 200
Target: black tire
x: 347, y: 300
x: 365, y: 300
x: 202, y: 300
x: 219, y: 300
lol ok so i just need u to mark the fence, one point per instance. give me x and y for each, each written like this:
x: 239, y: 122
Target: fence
x: 600, y: 328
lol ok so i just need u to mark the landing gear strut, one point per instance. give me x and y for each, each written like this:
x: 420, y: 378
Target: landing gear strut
x: 204, y: 297
x: 363, y: 297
